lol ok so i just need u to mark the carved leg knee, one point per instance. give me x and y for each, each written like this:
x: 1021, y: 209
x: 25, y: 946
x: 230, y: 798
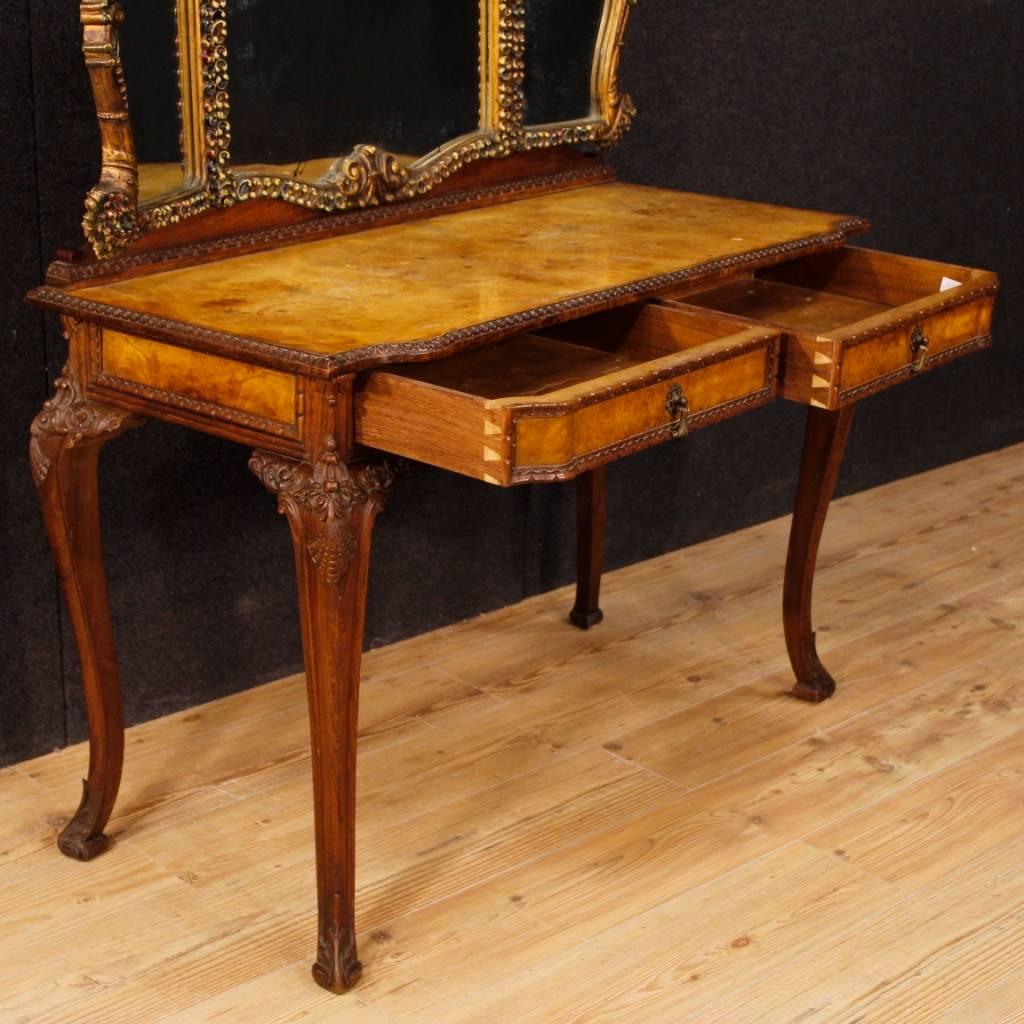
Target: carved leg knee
x: 66, y: 439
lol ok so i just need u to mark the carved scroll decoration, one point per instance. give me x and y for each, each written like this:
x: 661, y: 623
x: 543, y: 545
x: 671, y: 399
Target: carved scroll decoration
x: 613, y: 109
x: 324, y: 493
x: 111, y: 218
x: 617, y: 107
x: 67, y: 419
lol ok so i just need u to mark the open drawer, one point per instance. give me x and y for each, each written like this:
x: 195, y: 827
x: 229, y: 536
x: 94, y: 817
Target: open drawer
x: 855, y: 321
x: 547, y: 406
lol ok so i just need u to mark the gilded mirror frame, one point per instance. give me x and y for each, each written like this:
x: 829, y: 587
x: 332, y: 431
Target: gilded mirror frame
x: 113, y: 215
x: 368, y: 176
x: 612, y: 111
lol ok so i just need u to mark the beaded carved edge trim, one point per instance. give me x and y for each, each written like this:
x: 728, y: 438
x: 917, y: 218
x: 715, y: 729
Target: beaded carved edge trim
x: 319, y: 365
x: 649, y: 438
x: 199, y: 406
x: 769, y: 342
x: 591, y: 302
x: 909, y: 319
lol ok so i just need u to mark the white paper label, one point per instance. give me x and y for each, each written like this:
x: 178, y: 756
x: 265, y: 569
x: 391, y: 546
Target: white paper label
x: 947, y: 283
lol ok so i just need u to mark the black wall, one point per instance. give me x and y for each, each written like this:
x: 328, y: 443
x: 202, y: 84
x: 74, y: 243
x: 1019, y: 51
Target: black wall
x: 905, y: 112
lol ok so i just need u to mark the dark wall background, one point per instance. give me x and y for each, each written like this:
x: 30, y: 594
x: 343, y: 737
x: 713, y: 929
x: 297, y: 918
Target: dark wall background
x: 905, y: 112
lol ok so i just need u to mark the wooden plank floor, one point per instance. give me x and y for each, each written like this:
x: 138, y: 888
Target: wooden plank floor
x: 630, y: 825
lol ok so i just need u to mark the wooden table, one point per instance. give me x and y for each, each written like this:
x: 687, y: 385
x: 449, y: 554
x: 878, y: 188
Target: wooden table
x: 530, y: 333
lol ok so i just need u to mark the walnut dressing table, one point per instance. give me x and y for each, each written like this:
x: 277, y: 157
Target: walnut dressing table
x: 501, y: 307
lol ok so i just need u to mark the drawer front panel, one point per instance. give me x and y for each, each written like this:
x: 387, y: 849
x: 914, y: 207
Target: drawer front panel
x: 553, y: 443
x: 875, y: 362
x: 200, y: 383
x: 855, y: 321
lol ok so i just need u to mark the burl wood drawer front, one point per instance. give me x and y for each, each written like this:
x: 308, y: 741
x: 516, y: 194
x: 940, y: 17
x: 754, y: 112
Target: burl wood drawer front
x: 198, y: 387
x: 855, y: 321
x: 550, y: 405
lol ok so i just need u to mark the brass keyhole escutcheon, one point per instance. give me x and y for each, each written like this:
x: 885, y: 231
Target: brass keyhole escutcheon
x: 918, y: 348
x: 678, y: 408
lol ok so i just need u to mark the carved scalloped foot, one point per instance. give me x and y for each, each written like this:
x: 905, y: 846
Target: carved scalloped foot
x: 337, y: 968
x: 815, y: 689
x: 337, y: 978
x: 76, y: 843
x: 79, y: 840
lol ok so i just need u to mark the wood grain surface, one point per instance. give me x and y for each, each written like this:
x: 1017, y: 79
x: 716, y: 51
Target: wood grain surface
x: 264, y: 393
x: 858, y: 320
x: 414, y: 282
x: 632, y: 823
x: 541, y: 407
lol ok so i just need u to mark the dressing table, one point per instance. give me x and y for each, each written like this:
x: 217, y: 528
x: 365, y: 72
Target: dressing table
x: 271, y: 261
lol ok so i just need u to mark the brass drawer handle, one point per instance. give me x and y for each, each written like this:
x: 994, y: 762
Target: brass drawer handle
x: 918, y: 348
x: 678, y: 408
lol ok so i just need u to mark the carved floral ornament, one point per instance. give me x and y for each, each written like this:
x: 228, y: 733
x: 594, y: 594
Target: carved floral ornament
x: 321, y: 498
x: 67, y: 420
x: 368, y: 176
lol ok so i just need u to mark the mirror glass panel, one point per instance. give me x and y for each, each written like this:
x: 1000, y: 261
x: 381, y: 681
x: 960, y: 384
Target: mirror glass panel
x: 149, y: 54
x: 231, y: 100
x: 561, y: 44
x: 310, y: 80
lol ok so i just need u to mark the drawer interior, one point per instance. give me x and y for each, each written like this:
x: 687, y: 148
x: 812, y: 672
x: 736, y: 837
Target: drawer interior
x: 547, y: 405
x: 574, y: 352
x: 827, y: 292
x: 787, y: 305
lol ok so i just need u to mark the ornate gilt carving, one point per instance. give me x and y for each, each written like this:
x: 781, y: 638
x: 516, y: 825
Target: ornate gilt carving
x: 324, y: 494
x: 614, y: 109
x: 216, y: 102
x: 111, y: 219
x: 67, y: 419
x: 368, y: 176
x: 205, y: 114
x: 511, y: 73
x: 617, y: 108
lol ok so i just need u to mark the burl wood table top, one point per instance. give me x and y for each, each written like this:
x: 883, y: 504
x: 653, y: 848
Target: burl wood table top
x: 418, y: 289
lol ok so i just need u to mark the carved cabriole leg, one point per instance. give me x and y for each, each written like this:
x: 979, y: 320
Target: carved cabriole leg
x: 824, y: 446
x: 64, y: 449
x: 331, y: 508
x: 591, y: 515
